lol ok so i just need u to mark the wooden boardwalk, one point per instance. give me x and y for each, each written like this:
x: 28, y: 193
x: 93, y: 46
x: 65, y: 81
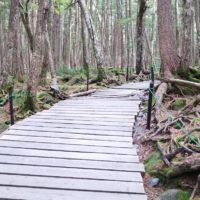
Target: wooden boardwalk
x: 80, y: 149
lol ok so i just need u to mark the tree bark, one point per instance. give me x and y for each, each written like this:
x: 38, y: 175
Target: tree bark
x: 37, y: 40
x: 197, y: 19
x: 161, y: 91
x: 140, y: 36
x: 167, y: 44
x: 93, y: 35
x: 186, y: 40
x: 6, y: 66
x: 85, y: 50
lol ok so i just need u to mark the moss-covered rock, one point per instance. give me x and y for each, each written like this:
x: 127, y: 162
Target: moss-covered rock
x: 152, y: 164
x: 178, y: 104
x: 174, y: 194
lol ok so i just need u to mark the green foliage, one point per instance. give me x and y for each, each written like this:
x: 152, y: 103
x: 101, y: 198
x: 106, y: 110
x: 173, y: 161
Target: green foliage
x: 126, y: 21
x: 191, y: 74
x: 44, y: 97
x: 46, y: 106
x: 61, y: 5
x: 67, y: 71
x: 77, y: 79
x: 196, y: 120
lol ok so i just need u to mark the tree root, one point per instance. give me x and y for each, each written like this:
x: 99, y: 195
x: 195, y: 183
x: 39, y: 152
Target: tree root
x: 195, y: 188
x: 164, y: 158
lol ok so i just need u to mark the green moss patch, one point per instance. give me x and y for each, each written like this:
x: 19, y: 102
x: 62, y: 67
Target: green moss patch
x: 178, y: 104
x: 152, y: 163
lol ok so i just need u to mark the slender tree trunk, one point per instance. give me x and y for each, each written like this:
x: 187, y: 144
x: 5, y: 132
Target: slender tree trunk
x: 187, y: 30
x: 167, y: 45
x: 197, y: 19
x: 85, y: 50
x: 140, y: 36
x: 94, y: 38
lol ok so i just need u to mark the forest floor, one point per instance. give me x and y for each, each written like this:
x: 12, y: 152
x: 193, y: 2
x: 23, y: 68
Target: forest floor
x: 170, y: 150
x: 70, y: 81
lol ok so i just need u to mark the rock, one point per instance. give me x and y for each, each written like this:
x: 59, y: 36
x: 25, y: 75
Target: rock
x: 154, y: 182
x: 174, y: 194
x: 140, y: 114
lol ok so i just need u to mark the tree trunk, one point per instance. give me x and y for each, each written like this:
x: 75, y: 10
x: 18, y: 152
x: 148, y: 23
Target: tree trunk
x: 37, y: 56
x: 6, y: 66
x: 85, y: 50
x: 140, y: 36
x: 186, y: 40
x: 197, y: 18
x: 167, y: 44
x: 94, y: 38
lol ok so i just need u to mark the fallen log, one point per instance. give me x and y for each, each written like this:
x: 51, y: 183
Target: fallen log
x: 161, y: 91
x: 80, y: 94
x: 182, y: 83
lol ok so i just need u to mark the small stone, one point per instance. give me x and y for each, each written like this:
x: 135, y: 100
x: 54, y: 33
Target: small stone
x: 140, y: 114
x: 154, y: 182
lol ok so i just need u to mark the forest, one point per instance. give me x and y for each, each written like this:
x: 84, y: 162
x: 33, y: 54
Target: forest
x: 52, y: 49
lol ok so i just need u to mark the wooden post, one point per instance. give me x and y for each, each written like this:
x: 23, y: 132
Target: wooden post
x: 10, y: 99
x: 151, y: 90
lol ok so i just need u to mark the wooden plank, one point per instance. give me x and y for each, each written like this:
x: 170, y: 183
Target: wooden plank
x: 113, y: 106
x: 91, y: 112
x: 113, y: 144
x: 17, y: 193
x: 87, y: 106
x: 48, y: 112
x: 93, y: 108
x: 93, y: 138
x: 44, y: 128
x: 75, y: 121
x: 88, y: 118
x: 77, y: 164
x: 65, y: 147
x: 73, y: 126
x: 108, y: 114
x: 69, y: 155
x: 70, y: 173
x: 104, y: 114
x: 72, y: 184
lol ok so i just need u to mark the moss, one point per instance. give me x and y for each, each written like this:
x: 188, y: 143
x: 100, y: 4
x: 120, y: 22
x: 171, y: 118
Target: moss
x: 46, y: 106
x: 30, y: 104
x: 178, y: 104
x: 190, y: 74
x: 151, y: 164
x: 189, y: 91
x: 101, y: 75
x: 167, y: 171
x: 77, y: 79
x: 183, y: 196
